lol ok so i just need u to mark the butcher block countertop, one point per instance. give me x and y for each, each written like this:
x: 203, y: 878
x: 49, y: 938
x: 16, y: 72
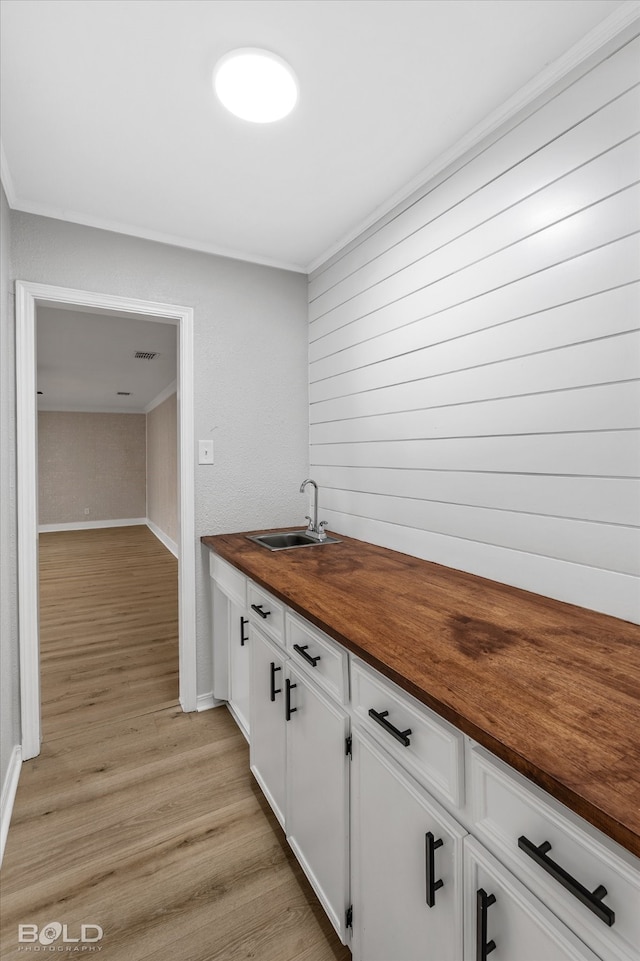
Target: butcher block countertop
x: 552, y: 689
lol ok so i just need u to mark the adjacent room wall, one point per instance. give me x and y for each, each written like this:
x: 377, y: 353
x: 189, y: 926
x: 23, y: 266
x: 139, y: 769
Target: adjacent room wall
x: 474, y: 356
x: 162, y: 470
x: 91, y: 467
x: 249, y: 320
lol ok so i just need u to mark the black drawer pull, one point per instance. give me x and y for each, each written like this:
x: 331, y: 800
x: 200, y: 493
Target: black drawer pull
x: 273, y: 690
x: 258, y: 609
x: 380, y: 718
x: 591, y: 899
x: 288, y: 710
x: 243, y: 639
x: 431, y: 846
x: 302, y: 651
x: 483, y: 902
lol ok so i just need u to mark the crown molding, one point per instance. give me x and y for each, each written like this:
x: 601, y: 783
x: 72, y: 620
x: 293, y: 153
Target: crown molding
x: 607, y: 30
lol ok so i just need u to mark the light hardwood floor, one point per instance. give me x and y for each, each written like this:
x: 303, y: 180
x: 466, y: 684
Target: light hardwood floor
x: 135, y: 816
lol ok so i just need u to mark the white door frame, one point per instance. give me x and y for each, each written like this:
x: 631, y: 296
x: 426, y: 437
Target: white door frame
x: 28, y: 297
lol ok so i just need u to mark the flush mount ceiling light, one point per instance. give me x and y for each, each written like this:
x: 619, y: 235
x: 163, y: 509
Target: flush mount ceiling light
x: 255, y: 85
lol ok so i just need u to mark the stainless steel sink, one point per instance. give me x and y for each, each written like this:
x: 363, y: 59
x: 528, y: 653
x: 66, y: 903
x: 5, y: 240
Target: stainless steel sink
x: 287, y: 540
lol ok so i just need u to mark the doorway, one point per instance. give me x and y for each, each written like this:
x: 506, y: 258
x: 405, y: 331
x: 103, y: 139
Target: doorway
x: 30, y: 297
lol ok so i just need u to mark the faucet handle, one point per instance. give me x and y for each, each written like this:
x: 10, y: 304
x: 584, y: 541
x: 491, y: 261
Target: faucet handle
x: 310, y: 525
x: 321, y: 530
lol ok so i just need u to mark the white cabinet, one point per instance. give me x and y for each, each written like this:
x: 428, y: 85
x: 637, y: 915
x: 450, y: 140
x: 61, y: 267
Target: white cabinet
x: 230, y: 639
x: 559, y: 857
x: 325, y: 661
x: 504, y: 921
x: 424, y: 744
x: 406, y: 862
x: 318, y: 791
x: 239, y: 647
x: 268, y: 734
x: 437, y: 850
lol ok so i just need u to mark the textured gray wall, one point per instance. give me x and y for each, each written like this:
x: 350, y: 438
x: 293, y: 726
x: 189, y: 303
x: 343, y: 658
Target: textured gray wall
x: 250, y: 346
x: 9, y: 678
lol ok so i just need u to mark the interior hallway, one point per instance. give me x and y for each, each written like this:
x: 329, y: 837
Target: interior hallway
x: 135, y: 816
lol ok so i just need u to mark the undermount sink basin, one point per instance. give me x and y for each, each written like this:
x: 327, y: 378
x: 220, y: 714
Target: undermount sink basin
x: 286, y: 540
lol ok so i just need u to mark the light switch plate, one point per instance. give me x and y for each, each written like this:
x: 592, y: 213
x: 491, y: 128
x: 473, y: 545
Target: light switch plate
x: 205, y: 452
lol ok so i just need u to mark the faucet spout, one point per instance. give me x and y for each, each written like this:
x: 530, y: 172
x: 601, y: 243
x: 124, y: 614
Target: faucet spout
x: 314, y: 524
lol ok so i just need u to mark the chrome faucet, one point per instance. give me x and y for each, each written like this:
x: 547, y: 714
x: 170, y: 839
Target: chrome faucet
x: 315, y: 529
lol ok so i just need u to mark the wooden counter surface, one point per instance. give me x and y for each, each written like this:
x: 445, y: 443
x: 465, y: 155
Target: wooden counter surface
x: 552, y: 689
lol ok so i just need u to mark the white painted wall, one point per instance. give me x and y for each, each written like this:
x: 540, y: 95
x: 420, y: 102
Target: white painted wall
x: 474, y: 356
x: 250, y: 326
x: 9, y: 657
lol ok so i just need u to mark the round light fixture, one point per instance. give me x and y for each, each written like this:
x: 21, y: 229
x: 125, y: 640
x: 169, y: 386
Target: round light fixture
x: 255, y: 85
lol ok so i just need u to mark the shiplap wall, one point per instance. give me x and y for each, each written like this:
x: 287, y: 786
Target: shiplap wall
x: 475, y: 355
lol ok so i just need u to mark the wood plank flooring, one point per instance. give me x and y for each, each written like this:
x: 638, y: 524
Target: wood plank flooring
x: 136, y: 816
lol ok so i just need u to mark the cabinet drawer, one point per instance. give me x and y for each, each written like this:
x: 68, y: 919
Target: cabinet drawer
x: 433, y: 751
x: 230, y: 581
x: 507, y: 807
x: 319, y: 656
x: 505, y: 921
x: 266, y: 612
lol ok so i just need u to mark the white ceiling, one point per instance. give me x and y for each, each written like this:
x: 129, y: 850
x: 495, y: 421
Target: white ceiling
x: 84, y: 359
x: 108, y: 115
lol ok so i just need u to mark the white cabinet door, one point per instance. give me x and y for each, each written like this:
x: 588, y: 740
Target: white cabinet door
x: 239, y: 666
x: 268, y: 745
x: 504, y: 921
x: 318, y: 791
x: 406, y: 865
x: 220, y: 606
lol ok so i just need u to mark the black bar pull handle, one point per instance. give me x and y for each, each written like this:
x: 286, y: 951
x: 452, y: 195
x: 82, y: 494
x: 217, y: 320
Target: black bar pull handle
x: 273, y: 690
x: 591, y: 899
x: 431, y: 846
x: 302, y: 651
x: 288, y: 710
x: 258, y: 609
x: 380, y: 718
x: 243, y: 639
x: 483, y: 903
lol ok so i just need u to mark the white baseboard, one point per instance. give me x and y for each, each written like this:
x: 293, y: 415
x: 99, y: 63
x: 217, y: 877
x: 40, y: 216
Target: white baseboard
x: 205, y: 702
x: 91, y: 525
x: 162, y: 537
x: 9, y: 789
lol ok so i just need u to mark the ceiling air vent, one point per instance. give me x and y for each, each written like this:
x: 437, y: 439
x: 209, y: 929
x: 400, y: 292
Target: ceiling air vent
x: 145, y: 354
x: 123, y: 393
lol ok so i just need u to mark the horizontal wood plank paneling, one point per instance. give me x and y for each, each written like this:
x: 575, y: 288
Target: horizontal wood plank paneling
x: 602, y: 315
x: 598, y: 361
x: 575, y: 104
x: 446, y: 245
x: 611, y: 546
x: 604, y: 499
x: 605, y: 407
x: 475, y: 357
x: 441, y: 283
x: 601, y: 453
x: 601, y: 269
